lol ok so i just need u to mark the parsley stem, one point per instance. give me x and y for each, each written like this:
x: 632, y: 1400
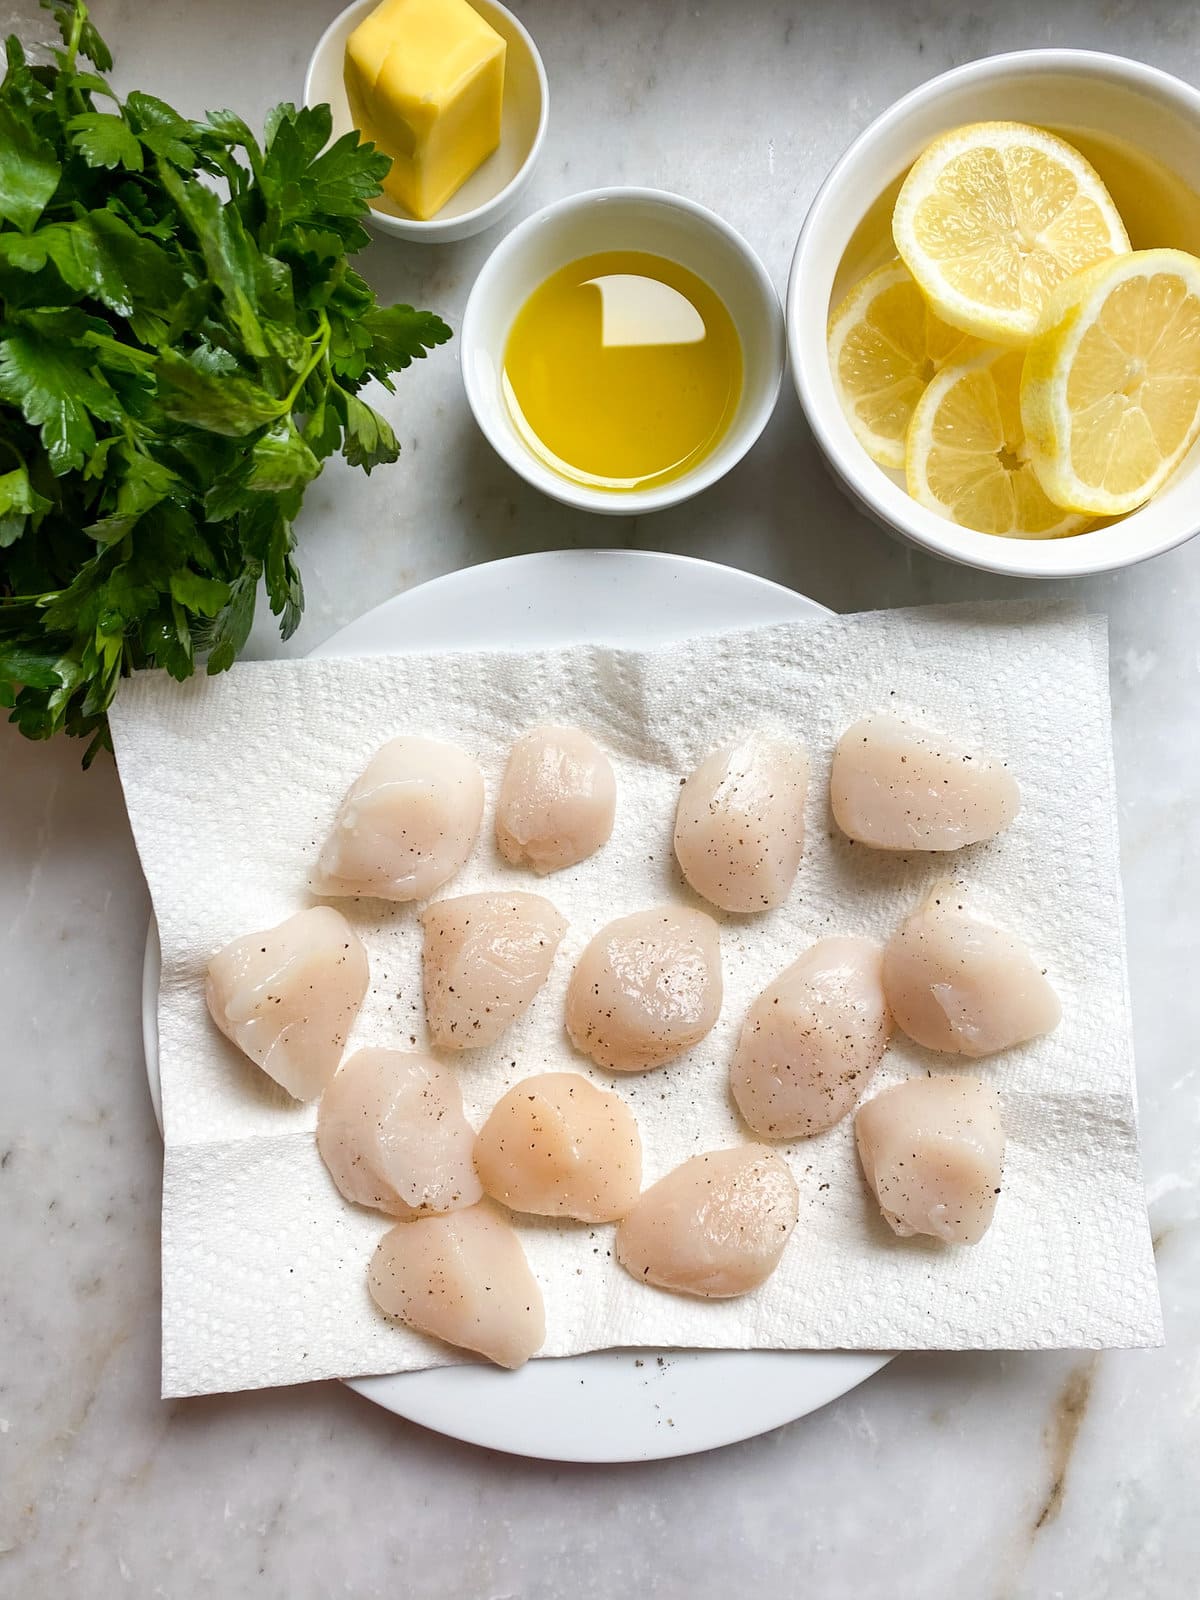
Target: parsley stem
x: 76, y: 34
x: 310, y: 366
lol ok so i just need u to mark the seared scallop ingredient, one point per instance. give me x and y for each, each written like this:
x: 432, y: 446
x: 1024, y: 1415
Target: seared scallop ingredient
x: 716, y: 1226
x: 461, y: 1277
x: 287, y: 997
x: 406, y: 825
x: 812, y: 1039
x: 932, y: 1150
x: 957, y: 983
x: 557, y: 800
x: 485, y: 957
x: 391, y: 1130
x: 558, y: 1146
x: 739, y: 824
x: 897, y: 787
x: 646, y: 989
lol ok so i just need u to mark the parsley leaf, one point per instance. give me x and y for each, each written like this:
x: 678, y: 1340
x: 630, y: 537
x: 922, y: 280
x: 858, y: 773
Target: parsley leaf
x: 19, y: 501
x: 400, y: 336
x: 234, y: 620
x: 369, y: 441
x: 105, y: 140
x: 29, y: 170
x: 208, y: 596
x: 57, y: 391
x: 208, y: 399
x: 281, y: 460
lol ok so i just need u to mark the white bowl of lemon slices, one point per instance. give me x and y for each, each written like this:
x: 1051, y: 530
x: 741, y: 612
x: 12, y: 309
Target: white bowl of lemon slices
x: 993, y: 314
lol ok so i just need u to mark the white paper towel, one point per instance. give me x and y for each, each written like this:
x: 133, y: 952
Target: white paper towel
x: 232, y: 782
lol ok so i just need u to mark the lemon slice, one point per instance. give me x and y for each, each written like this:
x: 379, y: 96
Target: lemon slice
x: 1110, y: 400
x: 966, y: 455
x: 993, y: 216
x: 884, y: 346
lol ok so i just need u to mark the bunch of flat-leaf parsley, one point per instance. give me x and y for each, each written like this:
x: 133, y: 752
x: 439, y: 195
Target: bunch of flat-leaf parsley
x: 182, y: 342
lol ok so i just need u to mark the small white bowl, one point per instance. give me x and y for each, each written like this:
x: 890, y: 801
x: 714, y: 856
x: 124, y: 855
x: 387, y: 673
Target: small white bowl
x: 499, y: 183
x: 1069, y: 90
x: 622, y: 219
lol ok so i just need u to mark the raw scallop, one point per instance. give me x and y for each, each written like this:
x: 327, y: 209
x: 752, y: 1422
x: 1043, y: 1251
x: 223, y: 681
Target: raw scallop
x: 896, y: 787
x: 461, y: 1277
x: 287, y: 997
x: 956, y: 983
x: 739, y: 824
x: 486, y: 956
x: 932, y: 1150
x: 560, y: 1147
x: 406, y: 825
x: 812, y: 1039
x: 557, y: 800
x: 646, y: 989
x: 716, y: 1226
x: 391, y: 1130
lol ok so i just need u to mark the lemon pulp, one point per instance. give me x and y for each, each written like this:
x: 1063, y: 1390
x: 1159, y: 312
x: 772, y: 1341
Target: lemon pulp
x: 1110, y: 395
x: 622, y: 370
x: 1157, y: 207
x: 967, y: 457
x: 992, y: 216
x: 885, y: 345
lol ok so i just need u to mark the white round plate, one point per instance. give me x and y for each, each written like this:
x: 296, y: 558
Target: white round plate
x: 612, y: 1405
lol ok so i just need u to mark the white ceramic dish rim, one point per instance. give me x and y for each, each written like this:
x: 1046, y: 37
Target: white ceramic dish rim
x: 435, y: 230
x: 603, y: 1406
x: 865, y: 166
x: 747, y: 426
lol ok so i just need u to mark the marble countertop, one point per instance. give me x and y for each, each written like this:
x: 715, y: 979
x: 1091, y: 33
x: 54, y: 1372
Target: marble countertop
x: 976, y: 1477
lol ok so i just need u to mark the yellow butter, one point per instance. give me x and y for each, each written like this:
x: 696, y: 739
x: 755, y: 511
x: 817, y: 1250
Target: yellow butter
x: 425, y: 80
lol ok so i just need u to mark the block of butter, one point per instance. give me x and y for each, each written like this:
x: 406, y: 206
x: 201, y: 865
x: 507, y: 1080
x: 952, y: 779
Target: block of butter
x: 425, y: 80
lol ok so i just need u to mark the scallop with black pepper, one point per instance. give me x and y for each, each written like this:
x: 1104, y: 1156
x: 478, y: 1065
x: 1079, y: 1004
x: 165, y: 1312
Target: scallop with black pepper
x: 485, y: 958
x: 287, y: 996
x: 715, y: 1226
x: 391, y: 1130
x: 739, y: 823
x: 897, y: 787
x: 957, y: 983
x: 464, y: 1278
x: 558, y: 1146
x: 557, y: 799
x: 646, y: 989
x: 932, y: 1151
x: 406, y: 825
x: 812, y: 1039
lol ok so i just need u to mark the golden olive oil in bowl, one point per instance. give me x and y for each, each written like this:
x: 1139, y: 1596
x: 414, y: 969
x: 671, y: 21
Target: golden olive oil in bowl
x: 622, y: 371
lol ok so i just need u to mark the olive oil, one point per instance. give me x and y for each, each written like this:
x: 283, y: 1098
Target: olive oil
x: 622, y: 371
x: 1156, y: 206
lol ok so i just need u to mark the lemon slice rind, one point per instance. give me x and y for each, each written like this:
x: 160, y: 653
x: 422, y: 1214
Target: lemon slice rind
x: 1049, y: 420
x: 1086, y: 228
